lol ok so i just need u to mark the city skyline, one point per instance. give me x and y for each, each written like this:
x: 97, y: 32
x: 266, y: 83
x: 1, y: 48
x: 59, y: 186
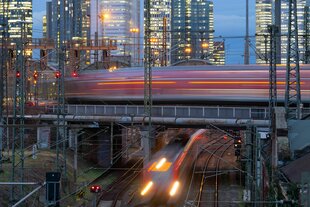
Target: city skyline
x: 229, y: 24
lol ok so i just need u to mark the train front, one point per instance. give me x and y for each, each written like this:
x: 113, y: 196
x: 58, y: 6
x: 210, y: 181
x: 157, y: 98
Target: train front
x: 162, y: 182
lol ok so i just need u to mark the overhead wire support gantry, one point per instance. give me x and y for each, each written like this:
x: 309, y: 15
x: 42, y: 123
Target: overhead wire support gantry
x: 4, y: 143
x: 147, y: 77
x: 61, y: 134
x: 19, y: 98
x: 292, y: 88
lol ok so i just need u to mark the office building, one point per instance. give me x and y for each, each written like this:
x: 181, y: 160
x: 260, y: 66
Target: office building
x: 121, y: 21
x: 19, y: 18
x: 264, y: 17
x: 192, y: 30
x: 219, y: 53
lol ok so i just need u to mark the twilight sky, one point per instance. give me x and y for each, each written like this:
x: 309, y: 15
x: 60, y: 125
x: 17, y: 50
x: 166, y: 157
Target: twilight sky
x: 229, y: 22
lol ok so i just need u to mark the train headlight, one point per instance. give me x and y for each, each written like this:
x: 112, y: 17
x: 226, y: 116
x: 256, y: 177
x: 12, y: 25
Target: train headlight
x: 161, y: 163
x: 147, y: 188
x: 174, y: 188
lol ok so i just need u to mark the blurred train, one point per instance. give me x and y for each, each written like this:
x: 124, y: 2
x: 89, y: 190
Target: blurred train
x: 181, y: 84
x: 166, y: 174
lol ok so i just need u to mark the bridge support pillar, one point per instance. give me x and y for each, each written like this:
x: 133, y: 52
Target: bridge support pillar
x: 131, y: 142
x: 146, y: 143
x: 73, y: 144
x: 43, y: 137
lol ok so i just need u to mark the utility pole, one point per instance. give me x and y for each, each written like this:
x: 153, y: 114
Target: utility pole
x: 246, y: 46
x: 96, y: 36
x: 3, y: 82
x: 277, y: 23
x: 292, y: 89
x: 164, y: 55
x: 306, y: 37
x: 61, y: 137
x: 147, y: 79
x: 273, y: 31
x: 18, y: 133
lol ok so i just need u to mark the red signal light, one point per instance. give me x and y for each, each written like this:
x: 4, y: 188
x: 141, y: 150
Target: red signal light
x: 95, y: 189
x: 17, y: 74
x: 35, y: 75
x: 74, y: 74
x: 57, y: 74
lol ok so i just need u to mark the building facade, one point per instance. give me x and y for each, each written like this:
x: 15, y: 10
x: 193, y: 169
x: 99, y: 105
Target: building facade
x: 264, y: 17
x: 120, y: 21
x: 19, y: 18
x: 160, y: 37
x: 192, y: 30
x: 219, y: 53
x: 76, y: 24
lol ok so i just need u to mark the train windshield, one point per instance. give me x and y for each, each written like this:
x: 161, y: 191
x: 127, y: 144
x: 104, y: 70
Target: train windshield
x: 161, y: 165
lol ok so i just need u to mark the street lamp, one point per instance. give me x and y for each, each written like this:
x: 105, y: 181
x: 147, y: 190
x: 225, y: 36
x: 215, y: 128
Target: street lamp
x: 188, y: 50
x: 204, y: 46
x: 134, y: 31
x: 103, y: 16
x: 154, y: 42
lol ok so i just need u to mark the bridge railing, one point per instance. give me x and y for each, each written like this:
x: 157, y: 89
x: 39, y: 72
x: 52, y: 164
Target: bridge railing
x: 217, y: 112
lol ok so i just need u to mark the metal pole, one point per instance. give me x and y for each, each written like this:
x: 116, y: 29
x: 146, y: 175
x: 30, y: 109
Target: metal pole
x: 246, y: 46
x: 277, y: 22
x: 112, y: 126
x: 75, y: 155
x: 292, y: 89
x: 29, y: 194
x: 147, y: 76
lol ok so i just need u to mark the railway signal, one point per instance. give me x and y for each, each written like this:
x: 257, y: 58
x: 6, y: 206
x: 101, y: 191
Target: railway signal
x: 17, y: 74
x: 57, y: 74
x: 35, y: 75
x: 74, y: 74
x: 95, y: 189
x: 237, y: 145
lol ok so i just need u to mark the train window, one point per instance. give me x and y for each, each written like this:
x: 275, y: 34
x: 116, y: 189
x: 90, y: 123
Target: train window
x: 163, y: 167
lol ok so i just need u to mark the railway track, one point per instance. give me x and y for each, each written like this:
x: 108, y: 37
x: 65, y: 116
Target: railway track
x: 114, y: 191
x: 215, y: 155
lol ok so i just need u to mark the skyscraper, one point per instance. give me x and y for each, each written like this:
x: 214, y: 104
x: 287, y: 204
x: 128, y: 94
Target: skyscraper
x: 264, y: 17
x: 284, y: 29
x: 160, y: 37
x: 76, y: 27
x: 118, y: 20
x: 219, y: 53
x: 19, y: 18
x: 192, y: 30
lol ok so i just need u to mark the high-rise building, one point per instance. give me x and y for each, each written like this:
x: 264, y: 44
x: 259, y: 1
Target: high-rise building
x: 192, y: 30
x: 120, y: 21
x: 264, y: 17
x: 76, y: 23
x: 284, y: 29
x: 219, y: 53
x: 19, y: 18
x: 160, y: 37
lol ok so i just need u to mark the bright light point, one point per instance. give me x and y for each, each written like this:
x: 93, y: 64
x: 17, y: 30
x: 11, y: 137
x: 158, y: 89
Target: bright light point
x: 147, y: 188
x: 174, y: 188
x: 161, y: 163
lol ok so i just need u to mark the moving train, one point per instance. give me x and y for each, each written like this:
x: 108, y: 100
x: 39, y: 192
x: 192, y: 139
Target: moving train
x: 166, y: 174
x: 183, y: 84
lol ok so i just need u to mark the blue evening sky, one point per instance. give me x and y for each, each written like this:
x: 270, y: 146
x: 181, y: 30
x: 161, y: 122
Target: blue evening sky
x: 229, y: 23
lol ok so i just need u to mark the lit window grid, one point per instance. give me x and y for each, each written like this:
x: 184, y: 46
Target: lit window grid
x: 264, y: 18
x: 159, y: 10
x: 18, y: 10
